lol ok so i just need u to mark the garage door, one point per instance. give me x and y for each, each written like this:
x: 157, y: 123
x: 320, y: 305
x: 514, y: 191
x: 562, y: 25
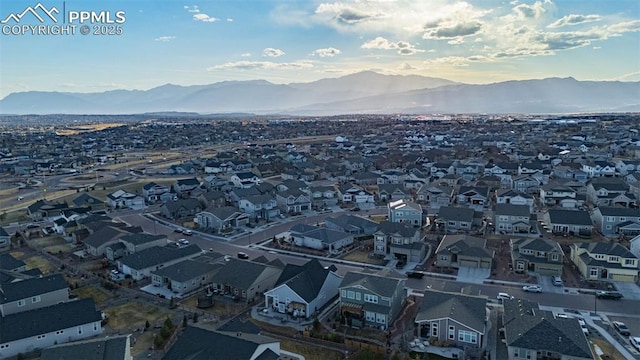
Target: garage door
x: 621, y: 277
x: 469, y: 263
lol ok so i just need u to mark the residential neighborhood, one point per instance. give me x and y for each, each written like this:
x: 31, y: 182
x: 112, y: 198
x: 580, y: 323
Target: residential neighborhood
x: 487, y: 237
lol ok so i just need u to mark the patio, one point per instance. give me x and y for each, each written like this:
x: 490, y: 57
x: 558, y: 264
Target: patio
x: 422, y: 345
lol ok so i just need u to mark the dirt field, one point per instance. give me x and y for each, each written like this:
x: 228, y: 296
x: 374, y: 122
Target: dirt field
x: 39, y: 262
x: 134, y: 314
x: 99, y: 295
x: 608, y: 349
x: 310, y: 352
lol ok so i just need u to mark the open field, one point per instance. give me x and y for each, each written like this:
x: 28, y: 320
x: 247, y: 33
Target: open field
x: 39, y: 262
x: 608, y: 349
x: 134, y: 314
x: 79, y: 129
x: 98, y: 294
x: 310, y: 352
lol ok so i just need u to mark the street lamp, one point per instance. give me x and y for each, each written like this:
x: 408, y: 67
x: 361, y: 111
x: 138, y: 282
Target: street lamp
x: 595, y: 303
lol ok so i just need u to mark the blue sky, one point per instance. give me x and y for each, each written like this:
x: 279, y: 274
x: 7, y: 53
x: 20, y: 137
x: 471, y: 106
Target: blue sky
x: 202, y: 42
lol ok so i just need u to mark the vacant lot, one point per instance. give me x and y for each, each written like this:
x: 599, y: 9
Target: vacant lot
x: 99, y: 295
x: 39, y: 262
x: 363, y: 257
x: 134, y: 314
x: 608, y: 349
x: 310, y: 352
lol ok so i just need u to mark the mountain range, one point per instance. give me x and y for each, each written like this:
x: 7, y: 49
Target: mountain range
x: 364, y: 92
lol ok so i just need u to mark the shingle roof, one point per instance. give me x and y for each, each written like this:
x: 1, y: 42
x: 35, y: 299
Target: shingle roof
x: 47, y: 319
x: 222, y: 213
x: 186, y: 270
x: 573, y: 217
x: 142, y: 238
x: 464, y: 245
x: 468, y: 310
x: 382, y: 286
x: 8, y: 262
x: 530, y: 328
x: 388, y: 227
x: 31, y: 287
x: 239, y: 274
x: 307, y: 281
x: 456, y: 213
x: 113, y: 348
x: 157, y: 255
x: 619, y: 211
x: 513, y: 210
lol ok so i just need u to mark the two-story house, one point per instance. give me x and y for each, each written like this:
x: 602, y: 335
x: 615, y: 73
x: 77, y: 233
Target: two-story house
x: 571, y: 222
x: 599, y: 260
x: 614, y: 220
x: 510, y: 219
x: 152, y: 191
x: 293, y: 201
x: 459, y: 319
x: 434, y: 196
x: 508, y: 196
x: 320, y: 238
x: 526, y: 184
x: 399, y: 239
x: 33, y: 293
x: 454, y: 218
x: 302, y: 290
x: 476, y: 198
x: 245, y: 179
x: 405, y: 211
x: 221, y: 219
x: 351, y: 193
x: 542, y: 256
x: 464, y: 251
x: 602, y: 191
x: 371, y: 300
x: 259, y: 206
x: 552, y: 194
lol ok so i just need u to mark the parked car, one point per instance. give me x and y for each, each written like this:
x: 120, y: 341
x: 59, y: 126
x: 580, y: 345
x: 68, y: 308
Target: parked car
x: 242, y: 255
x: 400, y: 265
x: 504, y: 296
x: 178, y: 230
x: 532, y: 288
x: 583, y: 326
x: 415, y: 274
x: 614, y: 295
x: 188, y: 232
x: 183, y: 242
x: 556, y: 280
x: 635, y: 342
x: 621, y: 328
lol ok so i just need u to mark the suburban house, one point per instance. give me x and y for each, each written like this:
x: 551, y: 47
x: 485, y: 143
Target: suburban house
x: 572, y: 222
x: 223, y: 218
x: 213, y: 198
x: 434, y: 196
x: 185, y: 276
x: 600, y: 260
x: 302, y: 290
x: 350, y: 193
x: 320, y: 238
x: 510, y: 219
x: 245, y: 280
x: 615, y: 220
x: 32, y: 293
x: 526, y: 184
x: 542, y: 256
x: 476, y: 198
x: 137, y: 242
x: 553, y: 194
x: 5, y: 238
x: 245, y: 179
x: 43, y: 209
x: 107, y: 348
x: 152, y: 191
x: 199, y: 343
x: 464, y: 251
x: 404, y: 211
x: 399, y: 239
x: 355, y: 225
x: 259, y: 206
x: 322, y: 196
x: 45, y: 326
x: 371, y: 300
x: 180, y: 208
x: 121, y: 199
x: 531, y: 333
x: 96, y: 244
x: 508, y: 196
x: 454, y: 218
x: 140, y: 264
x: 601, y: 191
x: 184, y: 187
x: 459, y: 319
x: 293, y: 201
x: 88, y: 201
x: 391, y: 192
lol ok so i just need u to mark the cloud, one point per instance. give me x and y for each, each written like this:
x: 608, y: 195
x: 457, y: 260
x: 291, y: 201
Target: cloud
x: 348, y: 13
x: 402, y: 47
x: 192, y: 9
x: 326, y: 52
x: 456, y: 41
x: 525, y: 11
x: 204, y: 18
x: 453, y: 30
x: 574, y: 19
x: 271, y: 52
x: 245, y: 55
x: 457, y: 61
x: 262, y: 65
x: 229, y: 20
x: 406, y: 67
x: 165, y: 38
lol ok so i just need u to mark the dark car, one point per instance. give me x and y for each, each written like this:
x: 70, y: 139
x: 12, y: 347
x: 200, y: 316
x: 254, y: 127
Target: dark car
x: 415, y: 274
x: 242, y: 255
x: 400, y: 265
x: 614, y: 295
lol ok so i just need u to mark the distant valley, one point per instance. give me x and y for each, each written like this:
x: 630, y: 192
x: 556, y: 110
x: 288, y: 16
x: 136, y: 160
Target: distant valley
x: 364, y: 92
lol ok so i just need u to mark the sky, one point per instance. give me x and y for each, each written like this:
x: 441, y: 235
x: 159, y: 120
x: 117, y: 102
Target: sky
x: 203, y: 42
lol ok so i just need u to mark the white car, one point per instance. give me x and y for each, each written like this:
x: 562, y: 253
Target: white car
x: 183, y: 242
x: 583, y: 326
x: 635, y: 342
x: 504, y: 296
x: 532, y: 288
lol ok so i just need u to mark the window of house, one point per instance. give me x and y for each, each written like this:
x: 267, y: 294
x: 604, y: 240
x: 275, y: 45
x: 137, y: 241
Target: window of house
x: 451, y: 223
x: 629, y: 261
x: 555, y: 257
x: 35, y: 299
x: 468, y: 337
x: 79, y: 330
x: 343, y: 293
x: 371, y: 298
x: 381, y: 319
x: 434, y: 329
x: 21, y: 303
x: 370, y: 316
x: 599, y: 257
x: 95, y: 327
x: 358, y: 295
x: 614, y: 259
x: 352, y: 295
x: 593, y: 272
x: 452, y: 332
x: 519, y: 265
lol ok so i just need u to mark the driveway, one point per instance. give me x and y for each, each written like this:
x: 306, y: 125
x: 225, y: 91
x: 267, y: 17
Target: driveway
x: 472, y: 275
x: 628, y: 289
x: 547, y: 285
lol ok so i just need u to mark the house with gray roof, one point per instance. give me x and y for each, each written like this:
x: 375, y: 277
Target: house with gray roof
x: 405, y: 211
x: 96, y: 244
x: 293, y: 201
x: 509, y: 196
x: 435, y: 196
x: 302, y: 290
x: 454, y: 318
x: 605, y: 260
x: 475, y: 197
x: 400, y: 240
x: 511, y: 219
x: 40, y: 328
x: 180, y: 208
x: 352, y: 224
x: 109, y: 348
x: 615, y: 220
x: 121, y: 199
x: 245, y: 280
x: 542, y: 256
x: 184, y: 187
x: 32, y: 293
x: 197, y: 343
x: 371, y: 300
x: 221, y: 219
x: 320, y: 238
x: 86, y: 200
x: 140, y: 241
x: 601, y: 191
x: 454, y: 218
x: 572, y: 222
x: 140, y: 264
x: 152, y: 191
x: 530, y: 331
x: 463, y: 250
x: 263, y: 206
x: 391, y: 192
x: 185, y: 276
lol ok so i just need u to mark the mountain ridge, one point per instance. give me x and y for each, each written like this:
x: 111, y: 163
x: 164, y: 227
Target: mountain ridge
x: 363, y: 92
